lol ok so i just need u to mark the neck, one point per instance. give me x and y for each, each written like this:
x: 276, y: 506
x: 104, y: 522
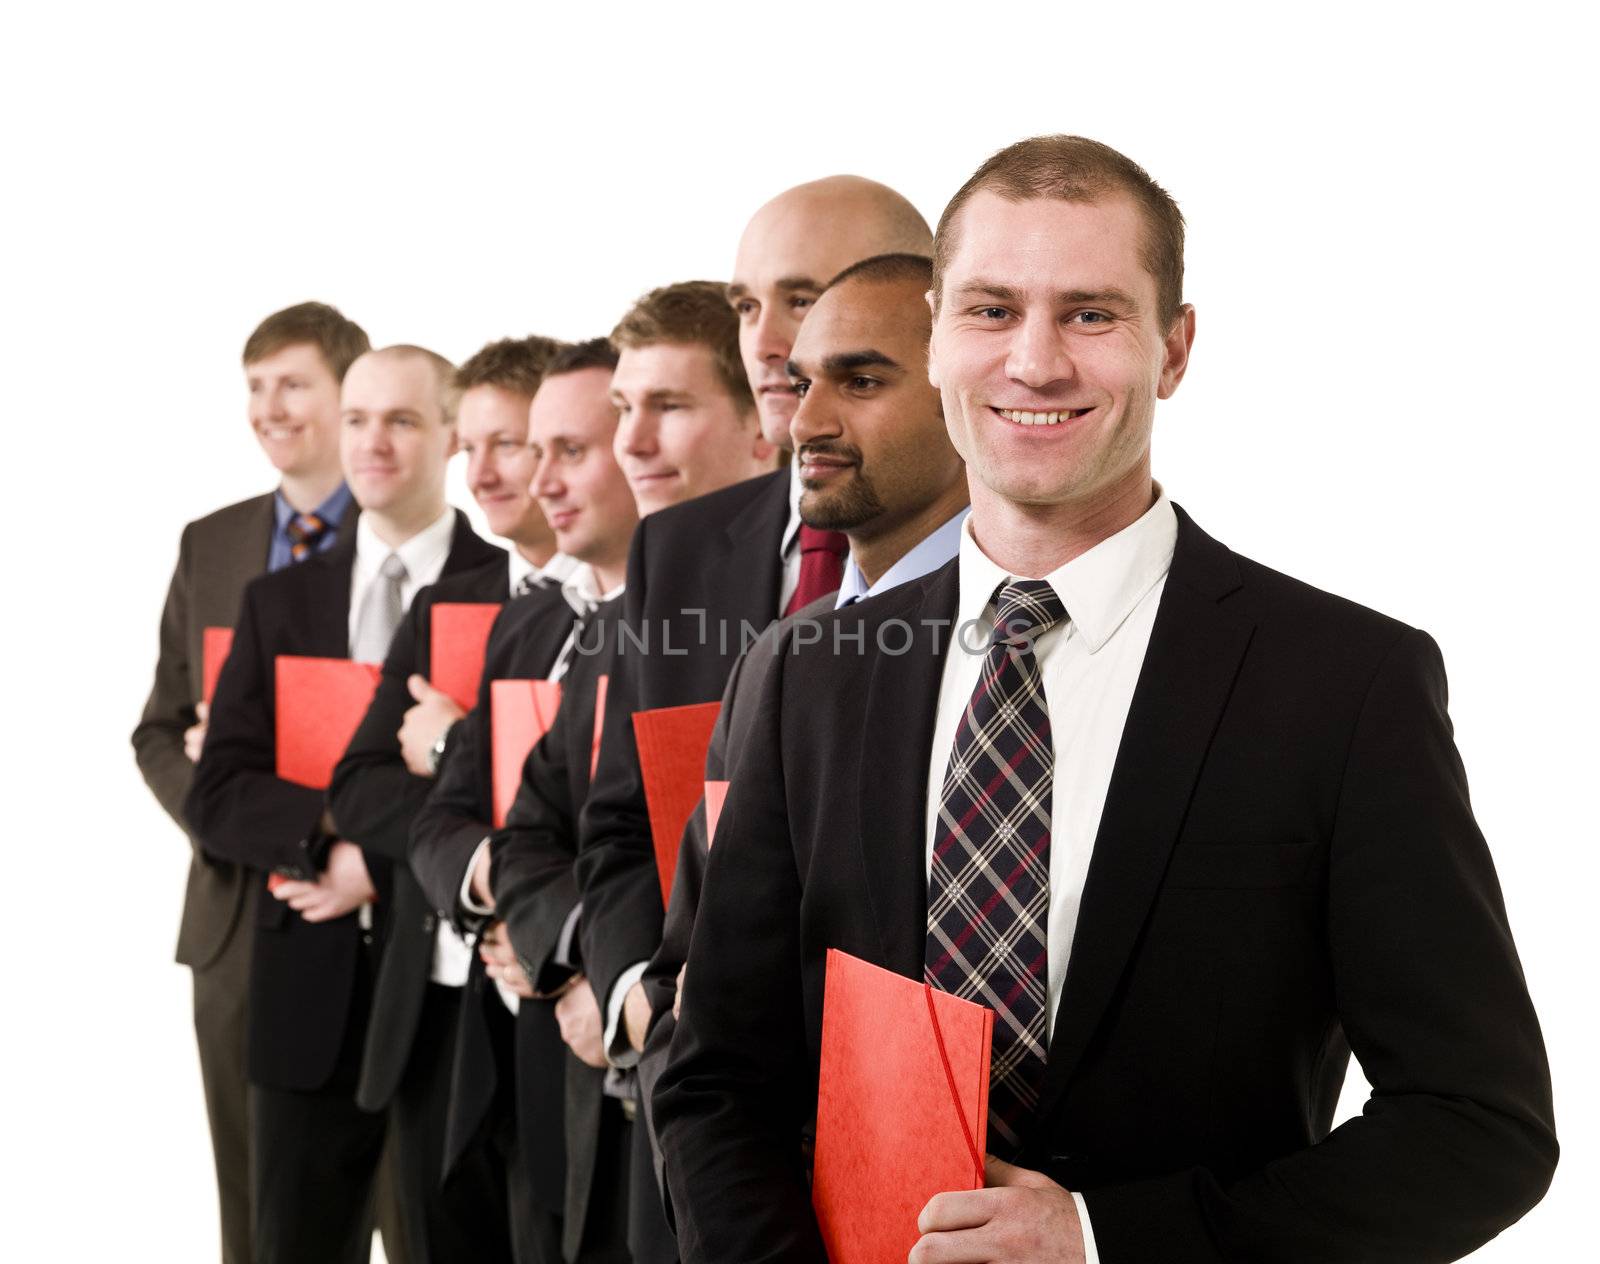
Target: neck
x: 876, y: 552
x: 538, y: 553
x: 1031, y: 541
x: 305, y: 492
x: 395, y: 527
x: 610, y: 573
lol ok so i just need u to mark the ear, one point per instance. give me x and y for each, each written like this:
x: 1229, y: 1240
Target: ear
x: 933, y: 367
x: 1180, y: 338
x: 454, y: 445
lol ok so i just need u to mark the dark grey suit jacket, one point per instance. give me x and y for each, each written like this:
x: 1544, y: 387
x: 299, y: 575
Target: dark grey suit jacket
x: 217, y: 556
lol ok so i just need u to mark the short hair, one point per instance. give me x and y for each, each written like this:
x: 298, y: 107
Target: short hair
x: 449, y: 392
x: 513, y: 364
x: 884, y: 269
x: 340, y: 340
x: 1075, y: 169
x: 593, y: 353
x: 690, y: 312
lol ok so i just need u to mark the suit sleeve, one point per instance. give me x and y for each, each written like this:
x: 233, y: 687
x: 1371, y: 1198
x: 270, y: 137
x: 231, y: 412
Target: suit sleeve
x: 531, y: 875
x: 616, y: 867
x: 737, y: 1091
x: 373, y: 796
x: 1457, y: 1140
x: 238, y: 806
x: 169, y: 710
x: 454, y: 818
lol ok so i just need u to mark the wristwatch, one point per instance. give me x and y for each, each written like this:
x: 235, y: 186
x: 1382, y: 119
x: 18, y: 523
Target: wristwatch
x: 436, y: 752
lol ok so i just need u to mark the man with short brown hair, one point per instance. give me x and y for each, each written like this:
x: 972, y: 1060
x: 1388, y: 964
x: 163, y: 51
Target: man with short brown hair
x: 294, y: 362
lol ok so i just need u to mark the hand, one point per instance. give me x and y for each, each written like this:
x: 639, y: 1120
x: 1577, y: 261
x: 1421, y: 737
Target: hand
x: 194, y: 737
x: 581, y: 1026
x: 425, y: 723
x: 500, y: 960
x: 480, y: 879
x: 341, y: 888
x: 636, y: 1016
x: 1022, y: 1217
x: 677, y: 992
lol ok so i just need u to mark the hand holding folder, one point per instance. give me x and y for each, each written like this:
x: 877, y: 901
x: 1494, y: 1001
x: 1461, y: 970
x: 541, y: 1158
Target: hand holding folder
x: 902, y: 1107
x: 459, y: 640
x: 672, y: 760
x: 520, y: 713
x: 320, y: 702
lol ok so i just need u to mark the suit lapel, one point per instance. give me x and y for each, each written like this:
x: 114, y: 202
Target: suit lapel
x: 325, y: 616
x: 750, y: 573
x: 1189, y: 669
x: 892, y: 790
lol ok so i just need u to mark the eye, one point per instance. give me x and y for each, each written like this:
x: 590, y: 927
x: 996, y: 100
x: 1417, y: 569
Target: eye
x: 860, y: 383
x: 746, y: 307
x: 801, y: 386
x: 991, y: 313
x: 799, y: 302
x: 571, y: 451
x: 1090, y: 318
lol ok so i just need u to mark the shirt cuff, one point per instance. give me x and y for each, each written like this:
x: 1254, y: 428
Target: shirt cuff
x: 1090, y: 1254
x: 468, y: 900
x: 619, y: 1053
x: 565, y: 943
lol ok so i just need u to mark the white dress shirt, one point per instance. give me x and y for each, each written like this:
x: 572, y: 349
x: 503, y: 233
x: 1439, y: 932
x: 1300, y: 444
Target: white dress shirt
x: 1089, y: 664
x: 789, y: 548
x: 555, y: 571
x: 423, y: 554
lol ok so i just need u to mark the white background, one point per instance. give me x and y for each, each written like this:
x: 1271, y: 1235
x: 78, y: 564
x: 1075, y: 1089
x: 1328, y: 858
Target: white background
x: 1391, y: 393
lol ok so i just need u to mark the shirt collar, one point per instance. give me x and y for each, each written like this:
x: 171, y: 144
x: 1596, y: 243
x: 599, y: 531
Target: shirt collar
x: 928, y: 554
x: 331, y: 511
x: 1099, y: 588
x: 793, y: 529
x: 582, y: 591
x: 423, y: 554
x: 555, y: 571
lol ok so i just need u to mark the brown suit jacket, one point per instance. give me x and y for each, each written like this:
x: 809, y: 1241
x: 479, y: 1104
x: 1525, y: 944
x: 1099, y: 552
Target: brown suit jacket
x: 217, y: 556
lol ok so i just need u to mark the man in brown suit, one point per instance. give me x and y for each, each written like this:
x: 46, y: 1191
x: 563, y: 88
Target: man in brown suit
x: 294, y: 363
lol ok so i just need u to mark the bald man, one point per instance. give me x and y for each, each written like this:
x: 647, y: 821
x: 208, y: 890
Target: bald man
x: 703, y: 572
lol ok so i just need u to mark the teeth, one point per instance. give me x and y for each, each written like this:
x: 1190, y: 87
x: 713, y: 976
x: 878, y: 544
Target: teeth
x: 1036, y: 419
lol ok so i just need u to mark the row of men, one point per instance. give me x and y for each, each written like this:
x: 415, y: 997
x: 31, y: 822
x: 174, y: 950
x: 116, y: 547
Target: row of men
x: 1179, y: 821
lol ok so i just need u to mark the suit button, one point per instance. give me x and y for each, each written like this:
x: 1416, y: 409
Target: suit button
x: 429, y: 924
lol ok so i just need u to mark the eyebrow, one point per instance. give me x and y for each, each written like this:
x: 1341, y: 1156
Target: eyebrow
x: 1109, y: 295
x: 845, y: 362
x: 737, y: 289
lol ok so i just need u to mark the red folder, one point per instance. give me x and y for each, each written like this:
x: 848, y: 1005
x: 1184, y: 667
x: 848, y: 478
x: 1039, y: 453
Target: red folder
x: 672, y: 760
x: 520, y: 713
x: 214, y: 646
x: 716, y: 796
x: 460, y: 636
x: 600, y: 685
x: 902, y: 1107
x: 320, y: 703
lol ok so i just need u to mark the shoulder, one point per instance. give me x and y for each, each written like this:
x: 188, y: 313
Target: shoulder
x: 693, y: 518
x: 244, y: 515
x: 486, y: 581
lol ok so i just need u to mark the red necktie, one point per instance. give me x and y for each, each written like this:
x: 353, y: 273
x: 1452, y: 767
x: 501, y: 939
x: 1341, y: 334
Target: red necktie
x: 821, y: 566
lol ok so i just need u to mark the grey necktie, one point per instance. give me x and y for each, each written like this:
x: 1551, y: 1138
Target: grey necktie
x: 381, y: 608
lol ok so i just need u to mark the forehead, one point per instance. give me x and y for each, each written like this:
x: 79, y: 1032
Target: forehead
x: 801, y: 236
x: 488, y: 409
x: 891, y: 317
x: 665, y: 366
x: 297, y: 357
x: 388, y: 383
x: 1044, y: 245
x: 576, y: 404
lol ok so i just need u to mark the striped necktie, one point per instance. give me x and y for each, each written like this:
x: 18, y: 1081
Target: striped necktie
x: 305, y: 531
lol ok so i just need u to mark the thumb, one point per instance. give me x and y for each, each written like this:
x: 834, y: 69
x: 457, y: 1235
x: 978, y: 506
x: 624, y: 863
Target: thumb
x: 420, y: 689
x: 202, y: 712
x: 998, y: 1174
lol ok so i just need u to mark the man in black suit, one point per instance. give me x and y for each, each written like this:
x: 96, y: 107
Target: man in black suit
x: 876, y: 463
x: 383, y: 780
x: 293, y: 362
x: 1194, y: 830
x: 313, y: 1152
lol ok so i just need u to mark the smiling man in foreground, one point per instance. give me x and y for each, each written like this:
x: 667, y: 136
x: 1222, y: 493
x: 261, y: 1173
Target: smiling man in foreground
x: 1194, y: 830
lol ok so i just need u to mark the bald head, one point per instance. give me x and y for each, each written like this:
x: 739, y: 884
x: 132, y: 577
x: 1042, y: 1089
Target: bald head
x: 792, y: 247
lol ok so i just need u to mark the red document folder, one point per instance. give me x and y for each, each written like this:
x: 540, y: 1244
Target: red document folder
x: 902, y: 1107
x: 320, y: 705
x: 716, y: 796
x: 600, y: 685
x: 672, y: 760
x: 460, y: 636
x: 214, y: 646
x: 520, y: 713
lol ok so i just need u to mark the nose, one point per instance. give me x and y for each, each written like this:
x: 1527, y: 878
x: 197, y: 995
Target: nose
x: 271, y: 402
x: 772, y: 335
x: 1038, y: 357
x: 546, y: 484
x: 814, y: 419
x: 638, y: 433
x: 482, y: 474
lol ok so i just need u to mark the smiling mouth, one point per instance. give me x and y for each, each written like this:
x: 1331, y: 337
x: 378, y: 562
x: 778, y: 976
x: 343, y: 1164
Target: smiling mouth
x: 1021, y: 418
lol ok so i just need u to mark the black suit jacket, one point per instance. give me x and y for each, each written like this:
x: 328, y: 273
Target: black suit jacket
x: 302, y: 974
x: 704, y: 579
x: 1287, y: 868
x: 374, y: 798
x: 217, y: 556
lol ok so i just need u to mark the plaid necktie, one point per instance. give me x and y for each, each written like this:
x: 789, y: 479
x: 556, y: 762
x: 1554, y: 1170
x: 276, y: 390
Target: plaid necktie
x: 822, y: 556
x: 305, y: 532
x: 989, y: 884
